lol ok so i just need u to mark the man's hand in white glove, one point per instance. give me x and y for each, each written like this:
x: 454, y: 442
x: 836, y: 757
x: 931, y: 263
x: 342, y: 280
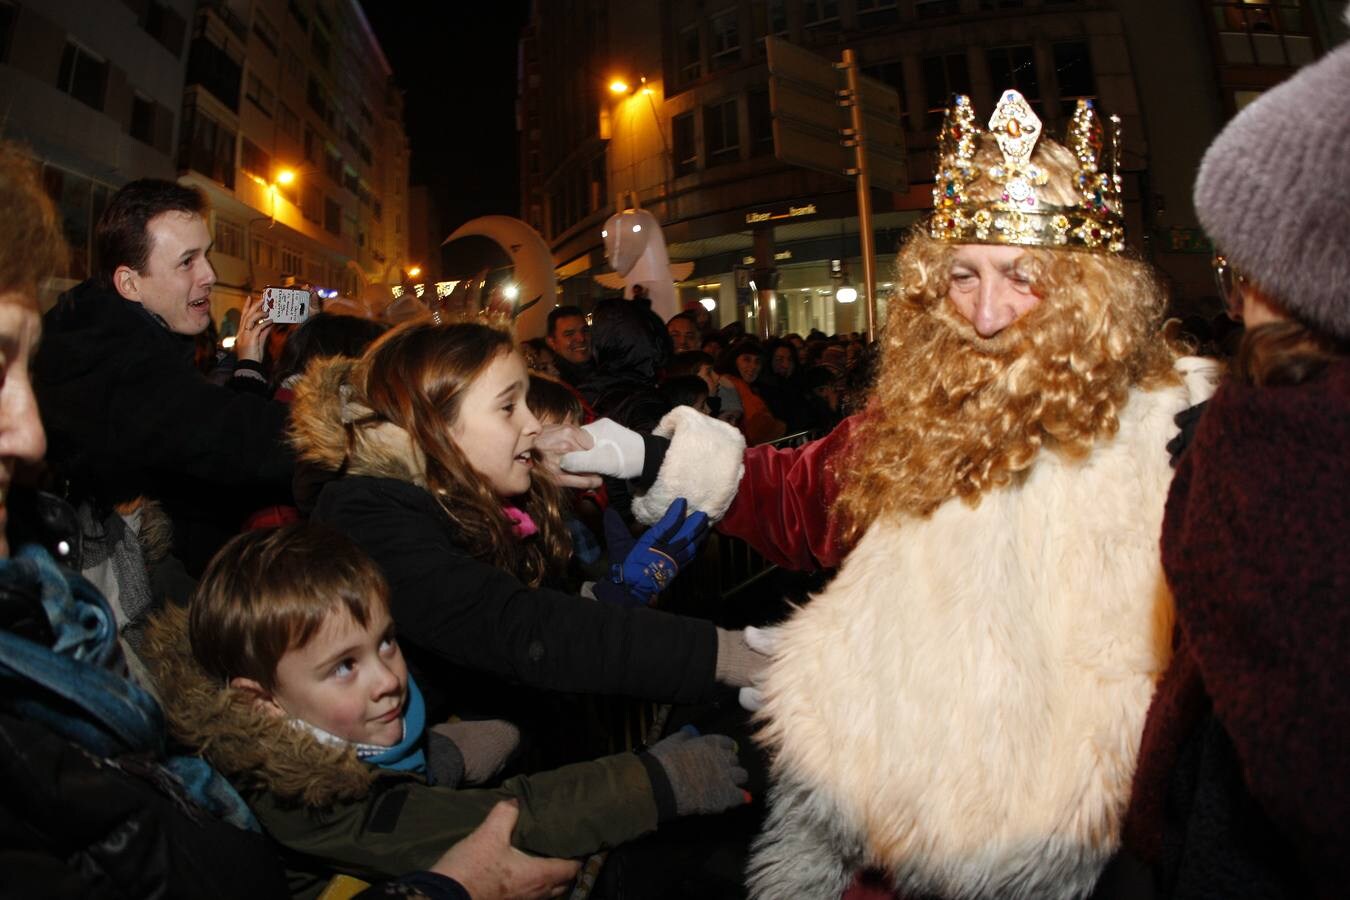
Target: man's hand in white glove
x: 764, y: 641
x: 554, y: 441
x: 615, y: 451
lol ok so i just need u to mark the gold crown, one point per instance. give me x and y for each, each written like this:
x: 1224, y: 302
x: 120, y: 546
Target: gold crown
x: 1018, y: 215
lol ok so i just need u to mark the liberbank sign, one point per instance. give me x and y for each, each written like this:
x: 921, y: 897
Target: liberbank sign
x: 793, y: 212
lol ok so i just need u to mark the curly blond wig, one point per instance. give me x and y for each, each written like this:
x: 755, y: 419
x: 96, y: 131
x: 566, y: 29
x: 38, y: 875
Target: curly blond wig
x: 956, y: 415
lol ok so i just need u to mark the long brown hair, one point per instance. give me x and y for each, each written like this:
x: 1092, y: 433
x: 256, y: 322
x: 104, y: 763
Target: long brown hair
x: 416, y: 377
x: 1285, y: 353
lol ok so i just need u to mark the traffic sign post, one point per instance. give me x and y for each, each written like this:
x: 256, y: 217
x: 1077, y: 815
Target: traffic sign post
x: 850, y: 129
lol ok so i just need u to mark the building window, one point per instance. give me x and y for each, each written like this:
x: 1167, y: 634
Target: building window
x: 229, y: 239
x: 264, y: 254
x: 7, y: 15
x: 761, y: 123
x: 1073, y: 71
x: 332, y: 164
x: 260, y: 95
x: 874, y: 13
x: 254, y: 160
x: 892, y: 74
x: 725, y: 34
x: 83, y: 76
x: 206, y: 145
x: 289, y: 121
x: 317, y: 98
x: 290, y: 262
x: 298, y: 13
x: 685, y: 143
x: 688, y: 52
x: 1015, y: 67
x: 216, y: 66
x: 931, y: 9
x: 165, y: 25
x: 821, y: 16
x: 265, y: 31
x: 722, y: 139
x: 943, y: 76
x: 599, y: 182
x: 311, y: 203
x: 319, y: 43
x: 143, y: 120
x: 74, y: 197
x: 1270, y: 33
x: 332, y: 216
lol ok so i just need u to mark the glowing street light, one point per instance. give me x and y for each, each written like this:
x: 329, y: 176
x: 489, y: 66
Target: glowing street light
x: 618, y: 86
x: 414, y: 271
x: 511, y: 292
x: 846, y: 294
x: 708, y: 303
x: 286, y: 176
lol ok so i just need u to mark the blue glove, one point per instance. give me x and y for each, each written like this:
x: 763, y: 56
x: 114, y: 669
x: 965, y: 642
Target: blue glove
x: 651, y: 562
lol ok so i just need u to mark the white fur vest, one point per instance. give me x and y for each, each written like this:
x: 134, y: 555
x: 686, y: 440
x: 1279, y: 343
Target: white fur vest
x: 962, y: 706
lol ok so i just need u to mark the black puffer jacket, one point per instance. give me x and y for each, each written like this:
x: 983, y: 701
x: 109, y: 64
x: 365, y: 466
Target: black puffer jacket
x: 128, y: 415
x: 631, y: 347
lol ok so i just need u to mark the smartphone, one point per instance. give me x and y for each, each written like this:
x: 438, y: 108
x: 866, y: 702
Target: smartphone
x: 286, y: 306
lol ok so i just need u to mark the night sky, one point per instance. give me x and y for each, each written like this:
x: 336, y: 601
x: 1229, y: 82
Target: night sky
x: 456, y: 64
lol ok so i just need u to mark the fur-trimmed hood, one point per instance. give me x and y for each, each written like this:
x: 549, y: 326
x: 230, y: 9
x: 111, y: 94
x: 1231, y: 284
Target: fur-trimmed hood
x: 255, y: 751
x: 329, y: 406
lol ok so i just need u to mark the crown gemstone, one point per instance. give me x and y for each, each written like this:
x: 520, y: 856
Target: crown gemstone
x: 1014, y: 128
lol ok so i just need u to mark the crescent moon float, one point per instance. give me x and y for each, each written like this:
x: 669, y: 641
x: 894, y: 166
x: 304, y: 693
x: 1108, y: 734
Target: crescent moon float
x: 535, y: 279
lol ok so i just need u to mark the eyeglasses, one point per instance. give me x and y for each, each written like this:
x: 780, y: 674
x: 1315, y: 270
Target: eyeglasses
x: 1226, y: 278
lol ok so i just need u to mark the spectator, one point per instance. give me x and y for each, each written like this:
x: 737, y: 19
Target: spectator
x: 289, y: 678
x: 569, y: 336
x: 436, y: 447
x: 1243, y: 788
x: 127, y: 414
x: 684, y: 332
x: 739, y: 366
x: 631, y: 346
x: 539, y: 357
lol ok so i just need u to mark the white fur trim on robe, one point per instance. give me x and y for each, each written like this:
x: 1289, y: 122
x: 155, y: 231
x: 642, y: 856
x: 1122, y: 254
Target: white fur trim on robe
x: 704, y: 465
x: 964, y: 703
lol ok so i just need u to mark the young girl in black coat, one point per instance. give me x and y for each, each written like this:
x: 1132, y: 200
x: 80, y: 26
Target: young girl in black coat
x: 435, y: 446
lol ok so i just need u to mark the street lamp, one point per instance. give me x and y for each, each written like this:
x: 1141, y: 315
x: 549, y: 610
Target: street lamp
x: 414, y: 271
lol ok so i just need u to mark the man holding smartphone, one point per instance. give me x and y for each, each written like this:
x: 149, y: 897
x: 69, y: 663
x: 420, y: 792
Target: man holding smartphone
x: 126, y: 412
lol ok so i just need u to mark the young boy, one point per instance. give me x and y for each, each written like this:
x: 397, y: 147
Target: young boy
x: 289, y: 680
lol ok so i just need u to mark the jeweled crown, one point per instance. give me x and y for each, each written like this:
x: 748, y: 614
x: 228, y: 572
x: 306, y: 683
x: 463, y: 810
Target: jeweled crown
x: 1017, y: 214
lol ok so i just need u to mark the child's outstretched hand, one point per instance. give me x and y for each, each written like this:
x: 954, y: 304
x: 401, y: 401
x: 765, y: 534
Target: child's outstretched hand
x: 649, y: 563
x: 489, y: 868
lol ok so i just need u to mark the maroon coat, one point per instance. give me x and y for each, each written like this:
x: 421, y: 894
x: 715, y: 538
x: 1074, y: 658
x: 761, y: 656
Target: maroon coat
x: 1243, y: 786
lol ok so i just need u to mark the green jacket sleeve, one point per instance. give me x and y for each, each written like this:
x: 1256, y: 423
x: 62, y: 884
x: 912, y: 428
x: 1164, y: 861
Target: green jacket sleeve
x: 405, y: 824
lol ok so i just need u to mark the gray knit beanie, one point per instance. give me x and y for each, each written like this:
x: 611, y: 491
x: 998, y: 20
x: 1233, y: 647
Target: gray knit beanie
x: 1274, y: 193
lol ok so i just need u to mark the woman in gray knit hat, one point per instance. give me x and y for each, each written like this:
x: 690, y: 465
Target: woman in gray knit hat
x: 1243, y: 785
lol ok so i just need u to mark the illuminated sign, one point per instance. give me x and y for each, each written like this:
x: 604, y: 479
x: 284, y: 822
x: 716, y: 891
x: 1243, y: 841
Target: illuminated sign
x: 793, y: 212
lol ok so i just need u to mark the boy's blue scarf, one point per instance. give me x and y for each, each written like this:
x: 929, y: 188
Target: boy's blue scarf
x: 407, y: 755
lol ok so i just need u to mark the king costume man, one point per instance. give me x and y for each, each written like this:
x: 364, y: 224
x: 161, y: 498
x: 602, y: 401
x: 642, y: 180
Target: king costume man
x: 961, y: 708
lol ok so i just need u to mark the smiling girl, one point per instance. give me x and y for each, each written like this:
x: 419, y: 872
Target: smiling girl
x: 434, y: 444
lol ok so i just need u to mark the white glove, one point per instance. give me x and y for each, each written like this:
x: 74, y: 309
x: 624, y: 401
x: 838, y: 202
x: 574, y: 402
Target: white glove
x: 761, y: 640
x: 618, y: 451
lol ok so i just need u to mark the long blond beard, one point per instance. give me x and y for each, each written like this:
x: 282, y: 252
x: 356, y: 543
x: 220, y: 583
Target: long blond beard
x: 956, y: 415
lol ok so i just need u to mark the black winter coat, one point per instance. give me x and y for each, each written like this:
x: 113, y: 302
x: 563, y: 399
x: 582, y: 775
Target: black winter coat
x: 128, y: 415
x: 456, y: 612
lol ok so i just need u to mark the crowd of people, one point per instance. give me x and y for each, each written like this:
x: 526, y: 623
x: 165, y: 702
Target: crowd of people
x: 310, y: 616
